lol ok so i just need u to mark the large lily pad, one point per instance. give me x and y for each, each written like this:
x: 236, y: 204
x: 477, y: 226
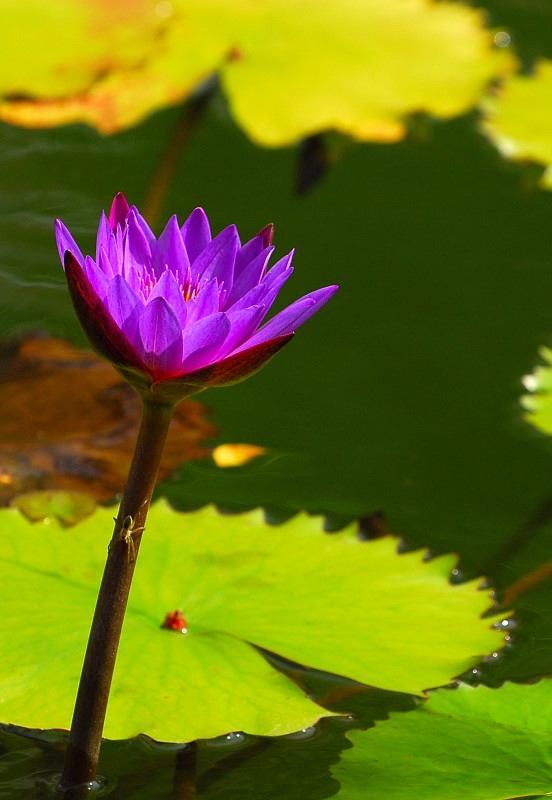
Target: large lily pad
x: 519, y: 119
x: 328, y: 601
x: 341, y: 65
x: 289, y: 69
x: 484, y: 744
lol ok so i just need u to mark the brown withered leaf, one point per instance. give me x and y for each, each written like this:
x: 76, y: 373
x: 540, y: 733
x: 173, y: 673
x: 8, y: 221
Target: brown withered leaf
x: 68, y: 421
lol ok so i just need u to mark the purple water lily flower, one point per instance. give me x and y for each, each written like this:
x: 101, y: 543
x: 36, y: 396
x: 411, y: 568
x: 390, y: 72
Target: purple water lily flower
x: 182, y: 312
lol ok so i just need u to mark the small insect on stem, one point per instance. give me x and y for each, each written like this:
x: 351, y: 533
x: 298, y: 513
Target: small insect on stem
x: 125, y: 534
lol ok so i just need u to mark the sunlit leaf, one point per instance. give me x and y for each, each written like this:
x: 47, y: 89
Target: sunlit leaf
x: 519, y: 119
x: 538, y: 404
x: 328, y: 601
x: 289, y: 69
x: 69, y: 422
x: 485, y: 744
x: 357, y: 66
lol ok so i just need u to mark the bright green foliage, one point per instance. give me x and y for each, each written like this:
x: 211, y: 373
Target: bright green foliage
x: 481, y: 744
x: 289, y: 69
x: 519, y: 118
x: 329, y: 601
x: 538, y: 404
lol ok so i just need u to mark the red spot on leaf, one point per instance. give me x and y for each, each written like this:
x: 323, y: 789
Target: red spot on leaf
x: 174, y: 621
x: 235, y: 54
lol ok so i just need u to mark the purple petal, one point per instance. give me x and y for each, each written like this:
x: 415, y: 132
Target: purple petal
x: 266, y: 292
x: 125, y: 308
x: 285, y: 320
x: 196, y: 233
x: 205, y: 303
x: 217, y: 260
x: 250, y: 276
x: 161, y: 339
x: 288, y: 320
x: 168, y: 288
x: 170, y: 251
x: 119, y: 210
x: 104, y: 239
x: 137, y: 252
x: 66, y: 242
x: 244, y: 324
x: 203, y: 340
x: 143, y: 225
x: 253, y: 248
x: 279, y: 267
x: 97, y: 279
x: 116, y: 251
x: 320, y: 297
x: 104, y: 264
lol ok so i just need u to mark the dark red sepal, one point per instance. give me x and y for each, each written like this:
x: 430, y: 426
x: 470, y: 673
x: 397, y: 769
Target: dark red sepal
x: 236, y: 368
x: 267, y: 233
x: 98, y: 324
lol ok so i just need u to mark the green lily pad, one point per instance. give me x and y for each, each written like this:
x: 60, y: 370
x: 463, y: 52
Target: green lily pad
x: 327, y: 601
x: 519, y: 119
x: 481, y: 744
x: 334, y: 65
x: 538, y: 404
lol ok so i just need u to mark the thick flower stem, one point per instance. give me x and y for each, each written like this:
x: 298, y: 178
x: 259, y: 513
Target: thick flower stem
x: 90, y: 707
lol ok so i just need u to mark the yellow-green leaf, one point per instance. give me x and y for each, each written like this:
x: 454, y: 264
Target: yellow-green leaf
x: 519, y: 118
x: 289, y: 68
x: 331, y: 602
x: 538, y: 404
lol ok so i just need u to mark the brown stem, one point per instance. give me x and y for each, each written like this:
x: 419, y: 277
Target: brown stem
x: 88, y: 718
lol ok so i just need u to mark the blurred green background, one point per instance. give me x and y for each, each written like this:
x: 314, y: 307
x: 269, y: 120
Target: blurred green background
x: 402, y: 396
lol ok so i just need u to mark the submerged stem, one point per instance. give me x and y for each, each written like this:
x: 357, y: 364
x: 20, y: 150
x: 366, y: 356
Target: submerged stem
x: 185, y: 126
x: 88, y: 718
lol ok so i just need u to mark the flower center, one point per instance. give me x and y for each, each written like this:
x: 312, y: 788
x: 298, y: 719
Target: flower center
x: 187, y: 285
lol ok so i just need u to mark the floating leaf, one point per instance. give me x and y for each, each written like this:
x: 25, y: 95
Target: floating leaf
x: 69, y: 422
x: 289, y: 69
x: 485, y: 744
x: 357, y: 66
x: 538, y: 404
x: 519, y: 119
x: 328, y: 601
